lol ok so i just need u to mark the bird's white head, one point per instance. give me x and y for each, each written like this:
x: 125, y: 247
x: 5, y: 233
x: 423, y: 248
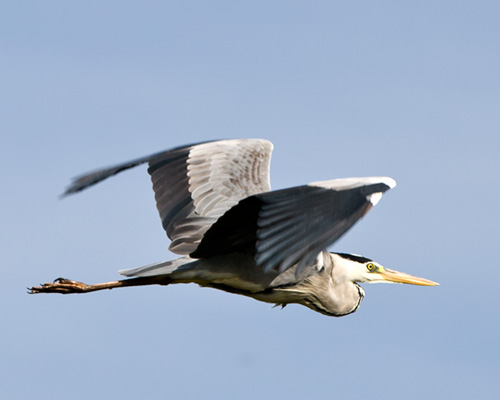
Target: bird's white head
x: 354, y: 268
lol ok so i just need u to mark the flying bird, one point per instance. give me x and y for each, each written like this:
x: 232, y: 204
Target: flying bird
x: 235, y: 234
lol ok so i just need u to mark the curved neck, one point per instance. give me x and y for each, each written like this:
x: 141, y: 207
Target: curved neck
x: 332, y: 292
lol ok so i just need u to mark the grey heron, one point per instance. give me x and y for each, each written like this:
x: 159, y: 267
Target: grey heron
x: 235, y: 234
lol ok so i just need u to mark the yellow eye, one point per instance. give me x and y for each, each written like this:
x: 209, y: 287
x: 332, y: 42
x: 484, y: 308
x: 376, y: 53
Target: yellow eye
x: 370, y: 266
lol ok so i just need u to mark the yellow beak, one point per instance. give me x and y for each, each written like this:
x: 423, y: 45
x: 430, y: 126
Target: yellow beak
x: 400, y: 277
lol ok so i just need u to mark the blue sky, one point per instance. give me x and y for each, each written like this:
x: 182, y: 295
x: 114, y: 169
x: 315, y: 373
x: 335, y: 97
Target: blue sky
x: 409, y: 90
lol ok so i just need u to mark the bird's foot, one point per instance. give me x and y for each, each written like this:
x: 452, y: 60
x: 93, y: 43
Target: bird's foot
x: 60, y: 285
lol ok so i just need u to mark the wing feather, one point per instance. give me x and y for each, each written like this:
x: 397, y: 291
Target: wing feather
x: 194, y: 185
x: 292, y: 226
x: 217, y: 176
x: 214, y: 198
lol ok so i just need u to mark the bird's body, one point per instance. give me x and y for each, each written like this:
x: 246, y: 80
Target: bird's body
x: 237, y: 273
x: 235, y: 234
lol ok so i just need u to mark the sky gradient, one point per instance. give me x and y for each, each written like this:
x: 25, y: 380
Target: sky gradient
x: 360, y: 88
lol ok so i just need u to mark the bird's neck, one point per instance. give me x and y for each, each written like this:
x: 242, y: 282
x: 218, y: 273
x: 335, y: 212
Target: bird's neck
x: 331, y: 292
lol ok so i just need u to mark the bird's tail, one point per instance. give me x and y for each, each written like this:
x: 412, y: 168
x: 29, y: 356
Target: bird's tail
x: 160, y: 268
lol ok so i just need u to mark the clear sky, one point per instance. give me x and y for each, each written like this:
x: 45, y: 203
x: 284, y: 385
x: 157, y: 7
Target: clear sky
x: 405, y: 89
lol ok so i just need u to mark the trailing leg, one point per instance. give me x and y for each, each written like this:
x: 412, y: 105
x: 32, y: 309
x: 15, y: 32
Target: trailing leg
x: 67, y: 286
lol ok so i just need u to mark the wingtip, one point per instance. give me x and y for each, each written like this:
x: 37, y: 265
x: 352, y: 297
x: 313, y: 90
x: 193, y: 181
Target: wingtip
x: 70, y: 190
x: 351, y: 183
x: 389, y: 182
x: 66, y: 193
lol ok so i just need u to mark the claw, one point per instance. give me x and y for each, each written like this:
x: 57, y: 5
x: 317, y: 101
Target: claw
x: 59, y: 285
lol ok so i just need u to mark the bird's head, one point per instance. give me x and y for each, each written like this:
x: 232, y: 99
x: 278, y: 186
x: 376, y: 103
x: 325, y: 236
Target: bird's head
x: 360, y: 269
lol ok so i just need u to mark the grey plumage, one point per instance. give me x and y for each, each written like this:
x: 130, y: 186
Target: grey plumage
x: 216, y: 205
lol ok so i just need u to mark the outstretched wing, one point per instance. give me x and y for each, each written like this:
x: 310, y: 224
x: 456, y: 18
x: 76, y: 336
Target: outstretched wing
x: 194, y: 185
x: 291, y: 226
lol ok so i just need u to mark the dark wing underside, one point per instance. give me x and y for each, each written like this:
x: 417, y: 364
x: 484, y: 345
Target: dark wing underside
x: 291, y: 226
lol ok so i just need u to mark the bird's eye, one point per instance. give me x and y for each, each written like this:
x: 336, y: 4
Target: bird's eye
x: 370, y: 266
